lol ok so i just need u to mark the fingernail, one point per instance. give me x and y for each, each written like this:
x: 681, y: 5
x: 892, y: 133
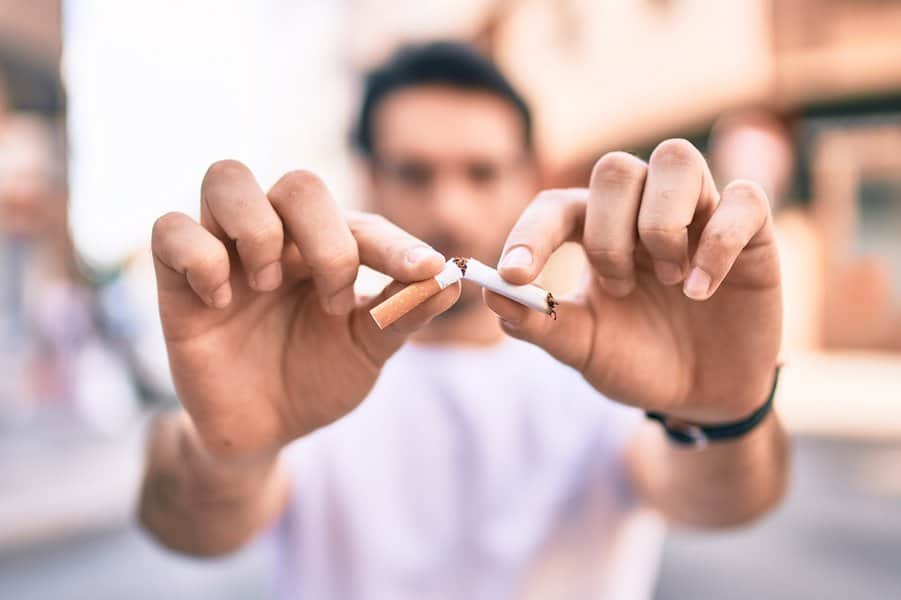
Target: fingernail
x: 516, y: 257
x: 422, y: 253
x: 616, y: 287
x: 269, y: 277
x: 342, y: 302
x: 222, y: 296
x: 669, y: 273
x: 697, y: 286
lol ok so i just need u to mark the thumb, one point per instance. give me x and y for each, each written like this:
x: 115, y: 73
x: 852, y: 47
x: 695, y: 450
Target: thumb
x: 568, y: 338
x: 380, y: 344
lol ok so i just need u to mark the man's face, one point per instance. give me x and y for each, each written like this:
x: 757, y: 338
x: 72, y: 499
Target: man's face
x: 450, y: 167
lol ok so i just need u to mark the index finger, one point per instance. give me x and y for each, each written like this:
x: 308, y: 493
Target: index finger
x: 390, y: 250
x: 317, y: 226
x: 553, y: 217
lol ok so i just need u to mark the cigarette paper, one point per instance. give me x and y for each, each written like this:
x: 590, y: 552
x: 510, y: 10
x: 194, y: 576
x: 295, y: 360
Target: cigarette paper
x: 393, y: 308
x: 529, y: 295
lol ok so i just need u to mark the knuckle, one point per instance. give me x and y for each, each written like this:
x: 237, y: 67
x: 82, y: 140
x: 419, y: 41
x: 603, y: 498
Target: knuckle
x: 262, y: 236
x: 747, y: 192
x: 224, y: 170
x: 298, y: 184
x: 618, y: 167
x: 376, y: 228
x: 206, y: 263
x: 653, y: 229
x: 359, y: 220
x: 341, y: 262
x: 219, y: 181
x: 676, y: 151
x: 610, y: 261
x: 164, y: 226
x: 727, y: 237
x: 663, y: 241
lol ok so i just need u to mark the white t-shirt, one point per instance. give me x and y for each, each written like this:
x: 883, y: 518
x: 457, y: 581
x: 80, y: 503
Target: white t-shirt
x: 469, y: 473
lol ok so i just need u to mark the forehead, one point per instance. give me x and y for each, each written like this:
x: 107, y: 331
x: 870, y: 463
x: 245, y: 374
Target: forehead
x: 444, y: 122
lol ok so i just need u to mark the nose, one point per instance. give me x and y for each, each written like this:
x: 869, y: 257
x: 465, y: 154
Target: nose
x: 452, y: 205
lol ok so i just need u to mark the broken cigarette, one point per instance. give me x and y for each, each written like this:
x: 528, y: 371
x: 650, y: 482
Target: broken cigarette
x: 454, y: 270
x: 531, y: 295
x: 390, y: 310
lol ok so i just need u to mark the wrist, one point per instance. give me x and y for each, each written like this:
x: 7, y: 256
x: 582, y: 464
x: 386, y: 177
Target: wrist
x: 234, y: 471
x: 699, y: 433
x: 727, y: 401
x: 199, y: 503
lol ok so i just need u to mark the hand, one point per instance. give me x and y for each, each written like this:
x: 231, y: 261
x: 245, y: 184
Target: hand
x: 266, y: 339
x: 682, y: 310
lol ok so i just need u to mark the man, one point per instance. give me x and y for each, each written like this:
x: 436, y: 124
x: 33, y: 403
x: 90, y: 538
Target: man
x: 464, y: 464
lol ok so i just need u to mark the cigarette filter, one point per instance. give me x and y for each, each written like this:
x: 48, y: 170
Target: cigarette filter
x: 393, y: 308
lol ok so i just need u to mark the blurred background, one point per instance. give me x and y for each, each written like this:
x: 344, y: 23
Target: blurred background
x: 111, y: 111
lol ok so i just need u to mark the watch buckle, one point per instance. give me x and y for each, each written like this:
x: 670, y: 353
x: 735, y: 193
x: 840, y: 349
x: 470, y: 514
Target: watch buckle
x: 697, y: 436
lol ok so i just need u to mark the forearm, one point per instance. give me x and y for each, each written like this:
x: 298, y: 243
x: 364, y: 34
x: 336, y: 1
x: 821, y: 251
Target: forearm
x: 199, y: 504
x: 725, y: 484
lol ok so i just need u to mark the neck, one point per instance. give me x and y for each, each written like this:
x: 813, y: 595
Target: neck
x: 476, y: 326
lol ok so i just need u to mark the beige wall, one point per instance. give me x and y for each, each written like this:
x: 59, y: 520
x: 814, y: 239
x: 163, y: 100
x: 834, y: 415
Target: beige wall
x: 639, y: 70
x: 634, y: 71
x: 850, y: 48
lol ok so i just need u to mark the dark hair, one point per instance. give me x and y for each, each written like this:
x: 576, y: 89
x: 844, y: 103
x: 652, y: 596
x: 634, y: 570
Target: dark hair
x: 454, y: 64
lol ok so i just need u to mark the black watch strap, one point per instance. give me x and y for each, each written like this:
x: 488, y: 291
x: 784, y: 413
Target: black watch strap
x: 688, y: 434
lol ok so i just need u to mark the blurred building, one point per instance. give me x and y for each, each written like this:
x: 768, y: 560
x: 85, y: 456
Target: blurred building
x: 607, y: 75
x: 601, y: 75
